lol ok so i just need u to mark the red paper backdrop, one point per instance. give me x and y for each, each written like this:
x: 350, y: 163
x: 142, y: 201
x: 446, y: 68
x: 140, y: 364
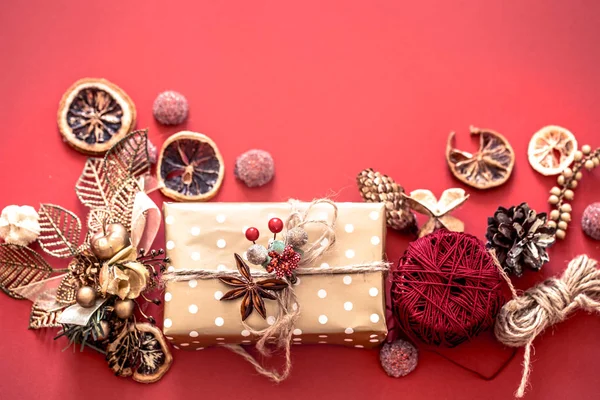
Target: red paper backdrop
x: 329, y: 88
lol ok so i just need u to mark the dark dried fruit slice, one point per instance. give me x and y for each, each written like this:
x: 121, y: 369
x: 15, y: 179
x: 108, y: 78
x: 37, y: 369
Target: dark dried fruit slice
x: 140, y: 351
x: 155, y: 356
x: 491, y: 166
x: 94, y: 114
x: 190, y: 167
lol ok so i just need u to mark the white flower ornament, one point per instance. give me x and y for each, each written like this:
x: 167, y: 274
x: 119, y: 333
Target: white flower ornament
x: 19, y: 225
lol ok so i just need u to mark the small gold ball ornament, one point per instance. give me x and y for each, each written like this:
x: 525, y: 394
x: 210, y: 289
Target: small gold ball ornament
x: 105, y: 331
x: 86, y: 296
x: 108, y: 242
x: 124, y: 308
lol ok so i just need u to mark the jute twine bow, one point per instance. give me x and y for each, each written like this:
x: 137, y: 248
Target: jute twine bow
x: 288, y: 306
x: 524, y: 317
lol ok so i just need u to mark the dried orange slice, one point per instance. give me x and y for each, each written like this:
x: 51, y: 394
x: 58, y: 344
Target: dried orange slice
x: 190, y: 167
x: 551, y: 150
x: 94, y: 114
x: 491, y: 166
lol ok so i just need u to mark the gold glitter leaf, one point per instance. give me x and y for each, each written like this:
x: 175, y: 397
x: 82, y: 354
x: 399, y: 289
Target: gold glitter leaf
x: 121, y: 206
x: 60, y: 231
x: 93, y: 188
x: 40, y: 319
x: 127, y: 159
x: 20, y: 266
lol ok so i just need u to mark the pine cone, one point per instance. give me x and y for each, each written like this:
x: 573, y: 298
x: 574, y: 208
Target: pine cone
x: 520, y: 238
x: 378, y: 188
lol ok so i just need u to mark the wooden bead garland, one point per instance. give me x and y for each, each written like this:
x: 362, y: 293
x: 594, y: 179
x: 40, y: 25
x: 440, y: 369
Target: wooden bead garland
x: 560, y: 216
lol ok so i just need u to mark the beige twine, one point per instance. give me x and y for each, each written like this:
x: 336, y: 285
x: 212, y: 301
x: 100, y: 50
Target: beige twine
x: 289, y: 309
x: 525, y: 317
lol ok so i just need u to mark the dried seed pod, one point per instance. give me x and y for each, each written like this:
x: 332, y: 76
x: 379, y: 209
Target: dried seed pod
x: 94, y: 114
x: 190, y: 167
x: 491, y: 166
x: 375, y: 187
x: 551, y: 150
x: 438, y: 211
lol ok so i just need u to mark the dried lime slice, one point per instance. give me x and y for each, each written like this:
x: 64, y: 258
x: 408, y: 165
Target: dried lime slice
x: 551, y: 150
x: 190, y: 167
x: 94, y: 114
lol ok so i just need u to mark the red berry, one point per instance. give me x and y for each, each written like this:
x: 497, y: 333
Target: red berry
x: 275, y: 225
x: 252, y: 234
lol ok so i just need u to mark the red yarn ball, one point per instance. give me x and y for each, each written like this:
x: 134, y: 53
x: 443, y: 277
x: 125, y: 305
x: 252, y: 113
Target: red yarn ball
x: 446, y: 289
x: 275, y: 225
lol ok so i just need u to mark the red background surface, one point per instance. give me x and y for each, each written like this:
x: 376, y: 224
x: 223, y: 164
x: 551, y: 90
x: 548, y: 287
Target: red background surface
x: 329, y: 88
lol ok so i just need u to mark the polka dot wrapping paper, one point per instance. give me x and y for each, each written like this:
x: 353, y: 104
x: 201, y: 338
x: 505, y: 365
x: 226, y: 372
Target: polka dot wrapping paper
x: 346, y: 309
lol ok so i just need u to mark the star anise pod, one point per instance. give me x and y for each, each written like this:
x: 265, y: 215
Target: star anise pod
x: 253, y: 293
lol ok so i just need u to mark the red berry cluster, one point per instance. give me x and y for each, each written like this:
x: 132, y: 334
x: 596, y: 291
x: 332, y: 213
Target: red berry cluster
x: 275, y: 226
x: 285, y: 263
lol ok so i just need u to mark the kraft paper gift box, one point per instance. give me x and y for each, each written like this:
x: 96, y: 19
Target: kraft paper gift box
x: 347, y: 308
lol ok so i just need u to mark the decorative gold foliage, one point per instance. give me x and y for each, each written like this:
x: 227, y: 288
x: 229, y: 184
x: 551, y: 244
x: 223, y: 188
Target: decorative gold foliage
x: 97, y: 219
x: 43, y: 319
x: 67, y: 289
x: 60, y: 231
x: 20, y: 266
x: 121, y: 206
x: 127, y: 159
x: 93, y: 188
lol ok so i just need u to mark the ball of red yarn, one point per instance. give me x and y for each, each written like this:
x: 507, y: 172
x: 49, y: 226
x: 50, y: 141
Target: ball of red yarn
x: 446, y: 289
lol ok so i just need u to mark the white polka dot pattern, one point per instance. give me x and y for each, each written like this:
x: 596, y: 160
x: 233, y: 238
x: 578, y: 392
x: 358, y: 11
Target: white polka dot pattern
x: 194, y: 241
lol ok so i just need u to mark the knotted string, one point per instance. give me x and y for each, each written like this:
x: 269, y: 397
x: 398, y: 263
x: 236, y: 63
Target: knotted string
x: 525, y: 317
x: 288, y: 307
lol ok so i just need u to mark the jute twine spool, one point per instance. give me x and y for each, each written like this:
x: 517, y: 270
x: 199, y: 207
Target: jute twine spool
x: 524, y: 317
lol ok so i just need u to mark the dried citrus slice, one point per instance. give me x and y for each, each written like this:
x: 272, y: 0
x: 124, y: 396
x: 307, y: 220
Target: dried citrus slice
x: 491, y: 166
x: 551, y: 150
x: 190, y: 167
x: 94, y: 114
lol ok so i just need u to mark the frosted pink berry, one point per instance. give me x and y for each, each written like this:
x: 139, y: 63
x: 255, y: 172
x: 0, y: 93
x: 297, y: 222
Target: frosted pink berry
x: 398, y: 358
x: 152, y: 152
x: 170, y: 108
x: 254, y: 168
x: 590, y: 221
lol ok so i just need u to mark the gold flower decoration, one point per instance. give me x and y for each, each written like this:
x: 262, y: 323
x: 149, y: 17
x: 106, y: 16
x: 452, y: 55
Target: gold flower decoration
x: 438, y: 211
x: 123, y: 276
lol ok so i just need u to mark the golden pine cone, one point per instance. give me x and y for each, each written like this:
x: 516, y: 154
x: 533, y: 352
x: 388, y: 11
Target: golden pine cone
x: 375, y: 187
